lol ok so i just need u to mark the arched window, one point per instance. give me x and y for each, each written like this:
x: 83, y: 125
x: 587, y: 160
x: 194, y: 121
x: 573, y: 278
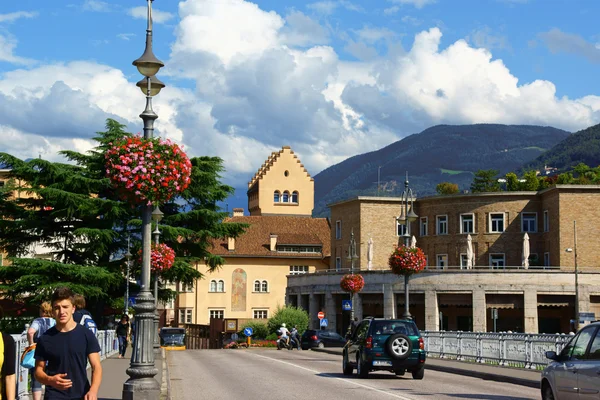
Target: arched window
x: 265, y: 286
x: 257, y: 286
x: 295, y: 197
x: 213, y: 286
x: 276, y: 197
x: 286, y: 197
x: 221, y: 286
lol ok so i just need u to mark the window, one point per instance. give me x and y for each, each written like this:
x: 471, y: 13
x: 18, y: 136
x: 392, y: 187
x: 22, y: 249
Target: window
x: 594, y: 353
x: 276, y: 197
x: 546, y: 259
x: 400, y: 229
x: 216, y: 314
x: 496, y: 222
x: 286, y: 197
x: 575, y: 349
x: 221, y: 286
x: 185, y: 315
x: 213, y: 286
x: 338, y: 229
x: 299, y: 249
x: 257, y: 286
x: 463, y: 260
x: 442, y: 260
x: 423, y: 227
x: 467, y: 223
x: 264, y: 287
x: 528, y: 222
x: 260, y: 314
x: 338, y: 264
x: 187, y: 288
x: 295, y: 197
x: 441, y: 224
x: 497, y: 260
x: 546, y: 222
x: 298, y: 269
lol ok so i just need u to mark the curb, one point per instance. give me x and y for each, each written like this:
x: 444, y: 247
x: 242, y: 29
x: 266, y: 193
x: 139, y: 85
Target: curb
x: 165, y: 387
x: 459, y: 371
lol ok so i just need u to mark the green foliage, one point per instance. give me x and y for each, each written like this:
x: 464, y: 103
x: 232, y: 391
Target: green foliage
x: 446, y: 188
x: 261, y: 331
x: 289, y: 315
x: 485, y: 181
x: 565, y: 178
x: 512, y: 182
x: 531, y: 181
x: 271, y: 336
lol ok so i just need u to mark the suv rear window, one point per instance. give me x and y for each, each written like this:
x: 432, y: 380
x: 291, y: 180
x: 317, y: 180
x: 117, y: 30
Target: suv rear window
x: 393, y: 327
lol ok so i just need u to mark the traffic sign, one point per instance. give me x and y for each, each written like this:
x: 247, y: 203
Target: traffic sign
x: 248, y: 331
x: 587, y: 316
x: 321, y: 315
x: 324, y: 323
x: 347, y: 305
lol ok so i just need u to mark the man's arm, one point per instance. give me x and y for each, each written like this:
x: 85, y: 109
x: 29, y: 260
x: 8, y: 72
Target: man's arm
x: 57, y: 381
x: 11, y: 386
x: 94, y: 359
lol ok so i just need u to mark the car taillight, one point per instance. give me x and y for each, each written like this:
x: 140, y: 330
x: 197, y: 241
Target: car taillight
x: 369, y: 344
x: 314, y: 337
x: 421, y: 344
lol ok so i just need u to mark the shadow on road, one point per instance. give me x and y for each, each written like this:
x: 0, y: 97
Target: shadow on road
x: 354, y: 376
x: 486, y: 397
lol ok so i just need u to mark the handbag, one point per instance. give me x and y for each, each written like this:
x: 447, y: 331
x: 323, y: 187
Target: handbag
x: 27, y: 360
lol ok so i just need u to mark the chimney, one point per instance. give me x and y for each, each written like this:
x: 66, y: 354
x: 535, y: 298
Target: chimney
x: 238, y: 212
x: 273, y: 242
x: 230, y: 244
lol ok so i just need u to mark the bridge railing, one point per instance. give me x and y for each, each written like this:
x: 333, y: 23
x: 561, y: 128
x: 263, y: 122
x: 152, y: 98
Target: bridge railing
x: 521, y: 350
x: 107, y: 340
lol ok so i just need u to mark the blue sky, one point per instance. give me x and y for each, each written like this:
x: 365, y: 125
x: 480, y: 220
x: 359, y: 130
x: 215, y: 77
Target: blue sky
x: 330, y: 78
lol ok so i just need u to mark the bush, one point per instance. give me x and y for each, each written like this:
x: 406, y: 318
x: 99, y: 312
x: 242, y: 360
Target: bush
x: 260, y: 329
x: 291, y: 316
x: 271, y: 336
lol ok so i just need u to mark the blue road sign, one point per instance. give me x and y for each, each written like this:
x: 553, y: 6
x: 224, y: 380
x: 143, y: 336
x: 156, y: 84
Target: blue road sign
x: 131, y: 301
x: 248, y: 331
x: 324, y: 323
x: 347, y: 305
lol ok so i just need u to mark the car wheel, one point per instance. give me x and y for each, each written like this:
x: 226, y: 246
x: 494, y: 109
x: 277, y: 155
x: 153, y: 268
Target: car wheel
x: 304, y: 348
x: 321, y: 345
x: 361, y: 368
x: 346, y: 367
x: 419, y: 373
x: 399, y: 346
x: 547, y: 393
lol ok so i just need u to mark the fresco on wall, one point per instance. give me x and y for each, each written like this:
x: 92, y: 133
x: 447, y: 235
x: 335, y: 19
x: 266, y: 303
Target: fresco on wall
x: 238, y: 290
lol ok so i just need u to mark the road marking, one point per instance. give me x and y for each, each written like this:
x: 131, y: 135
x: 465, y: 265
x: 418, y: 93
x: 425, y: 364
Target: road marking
x: 352, y: 382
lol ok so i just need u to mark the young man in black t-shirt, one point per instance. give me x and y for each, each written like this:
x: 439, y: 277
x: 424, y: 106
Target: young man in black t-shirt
x: 62, y: 354
x: 8, y: 370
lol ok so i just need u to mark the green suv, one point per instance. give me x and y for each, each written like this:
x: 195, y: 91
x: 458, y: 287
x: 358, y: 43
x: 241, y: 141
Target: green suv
x: 385, y: 344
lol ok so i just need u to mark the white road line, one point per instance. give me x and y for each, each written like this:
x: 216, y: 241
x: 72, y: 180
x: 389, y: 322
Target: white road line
x: 352, y: 382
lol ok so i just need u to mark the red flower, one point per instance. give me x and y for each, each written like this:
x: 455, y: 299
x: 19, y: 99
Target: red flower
x: 352, y: 283
x: 407, y: 260
x: 162, y: 257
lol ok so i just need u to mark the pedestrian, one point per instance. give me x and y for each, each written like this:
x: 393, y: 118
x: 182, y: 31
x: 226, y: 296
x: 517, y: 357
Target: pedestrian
x: 38, y: 327
x: 83, y: 316
x: 8, y: 379
x: 62, y: 353
x: 122, y: 332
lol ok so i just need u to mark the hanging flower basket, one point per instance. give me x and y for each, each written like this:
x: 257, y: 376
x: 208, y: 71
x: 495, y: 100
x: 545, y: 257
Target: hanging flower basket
x: 147, y: 171
x: 162, y: 258
x: 407, y: 260
x: 352, y: 283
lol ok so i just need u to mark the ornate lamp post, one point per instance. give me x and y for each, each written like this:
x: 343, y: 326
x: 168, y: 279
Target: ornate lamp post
x: 407, y: 216
x: 128, y: 262
x: 352, y: 257
x: 142, y: 385
x: 157, y: 216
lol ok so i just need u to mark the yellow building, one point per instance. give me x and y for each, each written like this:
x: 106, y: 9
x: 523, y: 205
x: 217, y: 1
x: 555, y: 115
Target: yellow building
x: 282, y: 239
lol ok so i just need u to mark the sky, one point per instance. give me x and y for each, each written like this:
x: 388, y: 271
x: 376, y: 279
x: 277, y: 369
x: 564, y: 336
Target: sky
x: 331, y: 78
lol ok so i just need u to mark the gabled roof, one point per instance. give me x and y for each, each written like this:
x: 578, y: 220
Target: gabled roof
x: 269, y: 163
x: 298, y: 231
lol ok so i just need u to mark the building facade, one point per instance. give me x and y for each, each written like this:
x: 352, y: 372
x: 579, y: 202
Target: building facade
x: 447, y: 295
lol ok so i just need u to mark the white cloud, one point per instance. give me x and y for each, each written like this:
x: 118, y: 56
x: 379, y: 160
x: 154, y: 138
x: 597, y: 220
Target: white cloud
x: 158, y: 16
x: 415, y: 3
x: 7, y: 47
x: 407, y: 19
x: 301, y: 30
x: 558, y: 41
x: 11, y: 17
x: 391, y: 10
x: 95, y: 6
x: 372, y: 35
x: 484, y: 38
x: 328, y: 7
x: 126, y: 36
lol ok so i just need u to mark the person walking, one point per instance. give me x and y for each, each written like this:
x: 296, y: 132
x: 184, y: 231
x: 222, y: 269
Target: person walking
x: 8, y: 377
x: 83, y: 316
x: 62, y: 353
x: 122, y: 332
x: 38, y: 327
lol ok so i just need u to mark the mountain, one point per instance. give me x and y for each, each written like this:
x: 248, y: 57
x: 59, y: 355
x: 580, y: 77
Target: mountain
x: 441, y: 153
x: 580, y: 147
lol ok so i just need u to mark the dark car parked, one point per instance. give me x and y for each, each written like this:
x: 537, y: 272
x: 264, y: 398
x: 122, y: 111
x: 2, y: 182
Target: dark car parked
x: 392, y: 345
x: 323, y: 338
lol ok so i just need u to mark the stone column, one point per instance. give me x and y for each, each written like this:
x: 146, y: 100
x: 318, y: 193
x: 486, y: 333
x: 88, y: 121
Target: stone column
x: 358, y: 306
x: 313, y: 310
x: 530, y: 311
x: 479, y: 311
x: 330, y: 311
x: 432, y: 311
x: 299, y: 300
x: 389, y: 302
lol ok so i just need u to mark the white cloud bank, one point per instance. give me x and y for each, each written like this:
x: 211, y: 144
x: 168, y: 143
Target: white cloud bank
x: 264, y: 80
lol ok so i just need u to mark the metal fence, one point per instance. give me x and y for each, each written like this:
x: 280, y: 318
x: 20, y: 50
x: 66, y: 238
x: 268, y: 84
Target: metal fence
x: 107, y: 340
x: 520, y: 350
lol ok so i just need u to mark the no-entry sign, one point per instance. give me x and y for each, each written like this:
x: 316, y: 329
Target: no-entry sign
x: 321, y: 315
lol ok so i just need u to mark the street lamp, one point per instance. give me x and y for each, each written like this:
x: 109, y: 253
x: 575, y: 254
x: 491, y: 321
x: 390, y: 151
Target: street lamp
x: 142, y: 384
x: 574, y: 251
x: 128, y: 256
x: 157, y: 216
x: 407, y: 216
x: 352, y: 257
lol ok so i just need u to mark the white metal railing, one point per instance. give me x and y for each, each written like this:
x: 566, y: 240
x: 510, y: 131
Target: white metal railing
x: 521, y: 350
x: 454, y: 268
x: 107, y: 340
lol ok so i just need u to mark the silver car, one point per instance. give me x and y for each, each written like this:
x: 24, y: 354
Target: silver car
x: 574, y: 374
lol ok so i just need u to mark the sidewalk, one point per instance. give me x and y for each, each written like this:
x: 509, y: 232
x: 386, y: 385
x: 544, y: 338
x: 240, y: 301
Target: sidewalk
x: 516, y: 376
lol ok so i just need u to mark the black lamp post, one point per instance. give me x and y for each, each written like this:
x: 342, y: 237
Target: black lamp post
x: 142, y: 385
x: 128, y: 256
x: 352, y: 257
x: 157, y: 217
x: 407, y: 216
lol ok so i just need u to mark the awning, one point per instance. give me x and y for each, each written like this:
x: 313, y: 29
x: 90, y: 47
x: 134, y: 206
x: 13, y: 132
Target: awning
x: 555, y: 300
x: 504, y: 301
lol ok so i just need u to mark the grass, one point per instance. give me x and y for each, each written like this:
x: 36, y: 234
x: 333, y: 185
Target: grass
x: 453, y: 172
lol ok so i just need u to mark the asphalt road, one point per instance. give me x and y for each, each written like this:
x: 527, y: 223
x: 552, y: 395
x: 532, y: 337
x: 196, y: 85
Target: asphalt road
x: 265, y: 374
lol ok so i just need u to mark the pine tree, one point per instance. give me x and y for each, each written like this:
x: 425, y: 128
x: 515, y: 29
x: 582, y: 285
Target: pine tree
x: 485, y: 181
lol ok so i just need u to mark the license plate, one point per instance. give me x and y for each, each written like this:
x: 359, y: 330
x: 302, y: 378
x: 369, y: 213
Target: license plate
x: 382, y: 363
